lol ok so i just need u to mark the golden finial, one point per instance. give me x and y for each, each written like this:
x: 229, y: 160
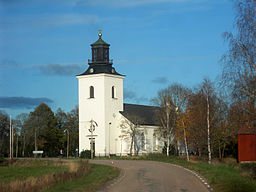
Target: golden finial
x: 100, y: 34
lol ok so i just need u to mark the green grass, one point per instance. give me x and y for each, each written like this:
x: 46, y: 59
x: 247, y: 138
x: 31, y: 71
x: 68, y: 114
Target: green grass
x: 99, y: 175
x: 8, y: 174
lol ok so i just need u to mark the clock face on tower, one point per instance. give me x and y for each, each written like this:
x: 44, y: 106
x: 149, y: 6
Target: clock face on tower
x: 91, y: 70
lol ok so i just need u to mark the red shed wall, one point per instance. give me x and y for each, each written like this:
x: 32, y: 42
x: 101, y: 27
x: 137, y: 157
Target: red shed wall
x: 246, y: 147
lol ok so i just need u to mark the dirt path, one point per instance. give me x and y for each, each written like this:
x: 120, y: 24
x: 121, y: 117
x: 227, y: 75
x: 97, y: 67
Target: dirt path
x: 151, y: 176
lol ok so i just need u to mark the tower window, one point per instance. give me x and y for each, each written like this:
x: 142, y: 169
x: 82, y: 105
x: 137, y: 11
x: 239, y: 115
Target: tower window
x: 91, y: 92
x: 113, y: 92
x: 94, y: 54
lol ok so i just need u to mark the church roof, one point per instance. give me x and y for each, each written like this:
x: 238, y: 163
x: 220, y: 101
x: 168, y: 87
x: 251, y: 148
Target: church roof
x: 97, y: 69
x: 100, y: 42
x: 147, y: 114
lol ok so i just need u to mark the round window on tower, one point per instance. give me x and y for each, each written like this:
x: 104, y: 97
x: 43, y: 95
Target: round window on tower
x: 113, y: 70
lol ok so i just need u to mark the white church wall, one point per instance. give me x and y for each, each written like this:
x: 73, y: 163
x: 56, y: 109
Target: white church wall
x: 91, y: 109
x: 102, y: 109
x: 112, y: 108
x: 141, y: 146
x: 152, y: 142
x: 122, y: 143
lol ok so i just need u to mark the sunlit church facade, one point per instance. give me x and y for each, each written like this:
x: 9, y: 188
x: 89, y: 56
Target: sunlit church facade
x: 102, y: 111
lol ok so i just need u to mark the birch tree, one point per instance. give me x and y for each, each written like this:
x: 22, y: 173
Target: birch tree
x: 166, y: 115
x: 179, y: 95
x: 207, y: 90
x: 239, y: 71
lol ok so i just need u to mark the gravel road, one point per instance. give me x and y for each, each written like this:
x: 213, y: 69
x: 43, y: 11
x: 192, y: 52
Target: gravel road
x: 151, y: 176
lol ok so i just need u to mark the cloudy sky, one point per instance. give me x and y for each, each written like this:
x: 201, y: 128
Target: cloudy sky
x: 45, y: 43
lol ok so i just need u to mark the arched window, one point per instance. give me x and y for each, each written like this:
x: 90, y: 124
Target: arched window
x: 113, y: 92
x: 91, y: 92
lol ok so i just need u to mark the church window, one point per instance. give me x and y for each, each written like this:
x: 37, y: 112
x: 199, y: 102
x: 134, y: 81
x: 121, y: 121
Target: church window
x: 94, y: 54
x: 113, y: 92
x: 91, y: 92
x: 105, y: 54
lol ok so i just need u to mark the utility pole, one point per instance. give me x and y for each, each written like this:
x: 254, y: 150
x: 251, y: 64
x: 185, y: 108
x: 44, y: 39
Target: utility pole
x: 17, y: 144
x: 10, y: 136
x: 12, y: 141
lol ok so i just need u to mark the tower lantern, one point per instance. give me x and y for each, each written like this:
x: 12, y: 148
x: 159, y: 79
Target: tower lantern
x: 100, y: 52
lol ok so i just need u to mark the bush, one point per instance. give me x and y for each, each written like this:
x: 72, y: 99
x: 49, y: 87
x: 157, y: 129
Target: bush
x: 85, y: 154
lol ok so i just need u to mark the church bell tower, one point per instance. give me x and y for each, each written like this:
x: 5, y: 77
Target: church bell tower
x: 100, y: 100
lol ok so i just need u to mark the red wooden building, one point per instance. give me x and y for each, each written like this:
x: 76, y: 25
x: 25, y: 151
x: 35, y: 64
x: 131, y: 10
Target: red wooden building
x: 247, y: 145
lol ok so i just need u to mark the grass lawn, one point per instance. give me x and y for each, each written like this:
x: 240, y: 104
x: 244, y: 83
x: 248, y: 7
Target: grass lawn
x: 8, y: 174
x: 99, y: 175
x: 35, y: 175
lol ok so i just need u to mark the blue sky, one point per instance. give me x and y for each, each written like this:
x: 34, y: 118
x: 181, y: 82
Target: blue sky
x: 45, y: 43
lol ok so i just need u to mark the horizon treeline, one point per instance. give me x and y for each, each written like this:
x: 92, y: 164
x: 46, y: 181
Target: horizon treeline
x: 40, y: 130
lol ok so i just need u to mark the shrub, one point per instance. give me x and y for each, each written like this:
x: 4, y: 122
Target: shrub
x: 85, y: 154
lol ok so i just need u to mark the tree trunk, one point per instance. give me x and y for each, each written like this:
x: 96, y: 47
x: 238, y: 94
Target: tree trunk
x: 185, y: 140
x: 208, y: 130
x: 167, y: 147
x: 35, y: 142
x: 168, y: 132
x: 23, y: 151
x: 131, y: 145
x: 219, y: 151
x: 121, y: 147
x: 223, y: 150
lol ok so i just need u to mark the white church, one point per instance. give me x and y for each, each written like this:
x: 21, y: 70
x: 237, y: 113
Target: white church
x: 104, y: 119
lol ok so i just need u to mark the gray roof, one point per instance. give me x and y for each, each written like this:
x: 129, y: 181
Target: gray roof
x: 147, y: 114
x: 100, y: 42
x: 97, y: 69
